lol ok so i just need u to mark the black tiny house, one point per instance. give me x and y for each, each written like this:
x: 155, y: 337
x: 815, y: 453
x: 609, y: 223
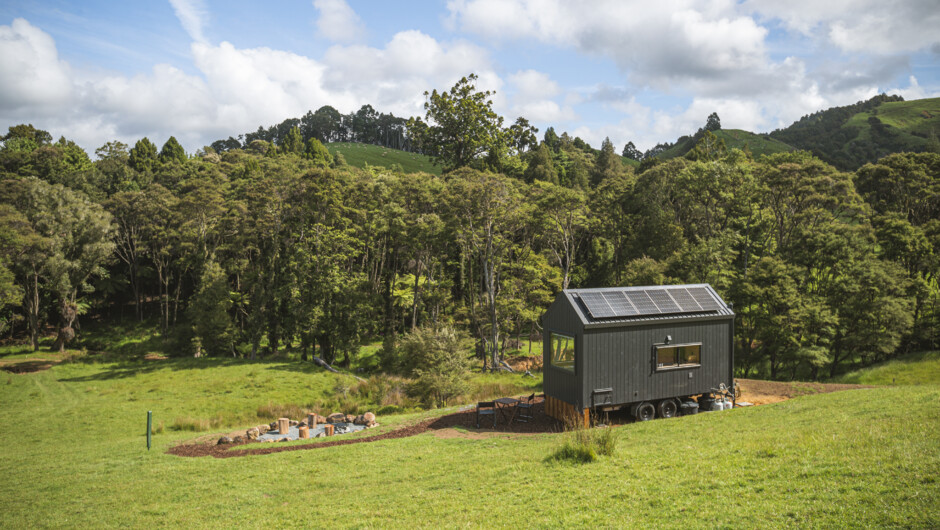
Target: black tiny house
x: 645, y: 347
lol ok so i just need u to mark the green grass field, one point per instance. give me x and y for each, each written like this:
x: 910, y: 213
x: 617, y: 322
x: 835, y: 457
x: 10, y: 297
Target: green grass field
x: 919, y: 116
x: 359, y: 155
x: 912, y: 369
x: 74, y: 455
x: 759, y: 145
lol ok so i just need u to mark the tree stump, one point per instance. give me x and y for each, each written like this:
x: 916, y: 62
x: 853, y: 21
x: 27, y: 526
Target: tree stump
x: 328, y: 429
x: 304, y: 432
x: 311, y: 420
x: 283, y: 425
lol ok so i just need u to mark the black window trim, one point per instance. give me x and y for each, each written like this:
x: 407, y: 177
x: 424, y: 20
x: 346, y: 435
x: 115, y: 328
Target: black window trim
x: 670, y: 368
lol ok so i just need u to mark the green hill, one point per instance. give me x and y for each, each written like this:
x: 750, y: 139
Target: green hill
x: 359, y: 155
x: 759, y: 144
x: 849, y: 137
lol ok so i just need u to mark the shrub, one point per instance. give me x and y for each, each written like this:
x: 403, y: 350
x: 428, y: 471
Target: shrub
x: 582, y: 445
x: 436, y: 358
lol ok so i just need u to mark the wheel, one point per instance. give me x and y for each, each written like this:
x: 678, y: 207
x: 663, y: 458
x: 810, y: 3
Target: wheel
x: 667, y: 408
x: 644, y: 411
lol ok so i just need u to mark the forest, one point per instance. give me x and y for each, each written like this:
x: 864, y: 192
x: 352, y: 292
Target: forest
x: 269, y: 243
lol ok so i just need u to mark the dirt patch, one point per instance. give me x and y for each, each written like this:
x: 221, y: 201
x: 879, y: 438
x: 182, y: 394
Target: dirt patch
x: 765, y: 392
x: 462, y: 424
x: 28, y: 367
x: 540, y: 423
x: 155, y: 357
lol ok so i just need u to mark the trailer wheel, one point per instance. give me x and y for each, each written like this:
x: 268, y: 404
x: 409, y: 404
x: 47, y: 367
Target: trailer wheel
x: 667, y: 408
x: 644, y: 411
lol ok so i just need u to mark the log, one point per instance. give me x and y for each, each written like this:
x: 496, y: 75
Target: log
x: 311, y: 420
x: 303, y: 432
x: 328, y: 429
x: 283, y: 425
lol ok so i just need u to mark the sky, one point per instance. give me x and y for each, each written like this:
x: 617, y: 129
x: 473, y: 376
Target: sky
x: 646, y: 72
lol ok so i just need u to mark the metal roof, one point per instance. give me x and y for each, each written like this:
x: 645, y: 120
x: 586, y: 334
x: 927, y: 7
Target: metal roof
x: 619, y: 306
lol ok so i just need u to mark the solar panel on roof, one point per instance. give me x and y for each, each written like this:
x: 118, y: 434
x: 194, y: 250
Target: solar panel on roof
x: 642, y: 302
x: 704, y: 299
x: 663, y: 301
x: 620, y: 304
x: 682, y: 297
x: 596, y: 305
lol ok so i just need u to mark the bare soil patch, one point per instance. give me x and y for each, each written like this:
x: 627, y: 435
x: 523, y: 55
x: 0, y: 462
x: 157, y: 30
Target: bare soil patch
x: 765, y: 392
x: 462, y: 424
x: 30, y: 366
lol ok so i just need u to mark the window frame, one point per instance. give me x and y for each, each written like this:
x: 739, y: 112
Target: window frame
x: 677, y: 366
x: 574, y: 352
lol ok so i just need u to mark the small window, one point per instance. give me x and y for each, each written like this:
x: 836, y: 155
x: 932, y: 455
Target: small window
x: 563, y: 352
x: 678, y: 356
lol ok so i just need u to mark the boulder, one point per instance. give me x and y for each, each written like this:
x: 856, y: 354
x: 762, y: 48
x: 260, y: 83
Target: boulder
x: 253, y: 433
x: 294, y: 423
x: 262, y: 428
x: 224, y: 440
x: 321, y: 434
x: 320, y: 420
x: 349, y: 418
x: 284, y: 439
x: 336, y: 417
x: 369, y: 417
x: 238, y: 439
x: 272, y: 425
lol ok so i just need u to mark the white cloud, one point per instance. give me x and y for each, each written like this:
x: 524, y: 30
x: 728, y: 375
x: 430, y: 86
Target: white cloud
x: 338, y: 22
x: 656, y: 44
x: 31, y: 74
x: 870, y: 26
x: 192, y: 15
x: 234, y: 90
x: 532, y: 98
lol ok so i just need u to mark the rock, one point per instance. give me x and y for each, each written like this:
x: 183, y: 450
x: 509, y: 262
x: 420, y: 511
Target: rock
x: 302, y: 423
x: 224, y: 440
x: 320, y: 419
x: 238, y: 439
x: 369, y: 417
x: 284, y: 439
x: 262, y: 428
x: 349, y: 418
x: 253, y: 433
x: 269, y: 440
x: 336, y: 417
x: 321, y: 434
x: 294, y: 423
x: 372, y: 425
x: 359, y: 420
x: 272, y: 425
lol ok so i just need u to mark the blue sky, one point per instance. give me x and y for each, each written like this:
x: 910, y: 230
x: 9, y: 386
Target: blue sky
x: 633, y: 71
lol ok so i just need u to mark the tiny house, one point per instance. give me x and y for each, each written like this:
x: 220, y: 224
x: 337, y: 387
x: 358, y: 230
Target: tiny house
x: 648, y: 348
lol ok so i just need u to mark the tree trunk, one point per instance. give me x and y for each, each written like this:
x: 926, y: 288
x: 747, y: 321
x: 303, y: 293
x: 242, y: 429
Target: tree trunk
x: 32, y: 302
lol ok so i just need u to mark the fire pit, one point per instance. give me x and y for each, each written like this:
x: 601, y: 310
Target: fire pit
x: 293, y: 433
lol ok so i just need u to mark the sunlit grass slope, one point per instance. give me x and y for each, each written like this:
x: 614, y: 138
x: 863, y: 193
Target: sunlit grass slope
x: 913, y: 369
x: 74, y: 455
x: 359, y: 155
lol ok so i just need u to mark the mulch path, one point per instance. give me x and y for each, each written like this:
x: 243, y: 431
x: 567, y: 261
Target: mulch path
x: 758, y: 392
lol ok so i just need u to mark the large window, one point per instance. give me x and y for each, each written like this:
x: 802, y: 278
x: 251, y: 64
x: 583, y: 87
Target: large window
x: 563, y: 352
x: 678, y: 356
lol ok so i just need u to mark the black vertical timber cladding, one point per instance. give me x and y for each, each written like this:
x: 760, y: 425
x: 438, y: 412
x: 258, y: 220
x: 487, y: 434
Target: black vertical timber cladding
x: 622, y: 358
x: 562, y: 384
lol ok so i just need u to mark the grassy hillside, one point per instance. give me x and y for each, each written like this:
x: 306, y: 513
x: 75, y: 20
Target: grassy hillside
x: 359, y: 155
x: 734, y: 139
x: 913, y: 369
x: 74, y: 455
x: 917, y: 118
x: 758, y: 144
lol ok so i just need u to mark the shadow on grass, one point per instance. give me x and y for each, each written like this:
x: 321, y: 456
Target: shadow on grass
x: 120, y: 369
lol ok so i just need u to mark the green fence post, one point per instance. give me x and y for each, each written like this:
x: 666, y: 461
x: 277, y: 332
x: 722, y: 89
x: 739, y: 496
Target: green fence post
x: 149, y: 425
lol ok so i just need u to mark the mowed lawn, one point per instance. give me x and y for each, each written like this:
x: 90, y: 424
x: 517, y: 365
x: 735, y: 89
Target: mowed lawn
x: 74, y: 454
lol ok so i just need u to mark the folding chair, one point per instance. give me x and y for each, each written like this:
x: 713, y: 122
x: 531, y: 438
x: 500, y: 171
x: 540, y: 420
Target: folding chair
x: 486, y: 408
x: 524, y: 412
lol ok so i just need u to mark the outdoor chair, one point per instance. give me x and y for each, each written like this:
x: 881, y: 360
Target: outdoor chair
x: 486, y: 408
x: 524, y: 413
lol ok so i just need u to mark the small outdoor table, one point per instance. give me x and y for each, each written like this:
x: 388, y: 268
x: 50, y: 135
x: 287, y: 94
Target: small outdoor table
x: 504, y: 405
